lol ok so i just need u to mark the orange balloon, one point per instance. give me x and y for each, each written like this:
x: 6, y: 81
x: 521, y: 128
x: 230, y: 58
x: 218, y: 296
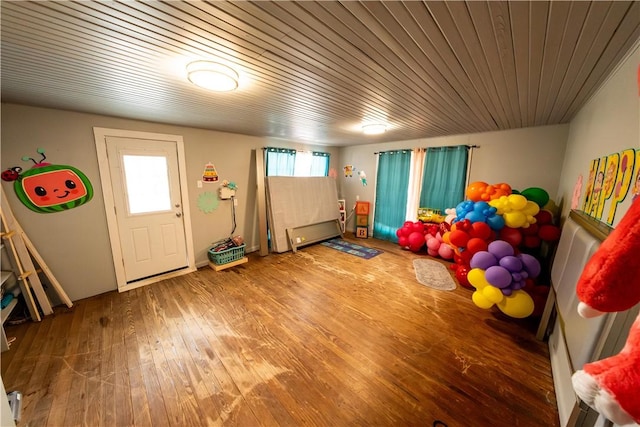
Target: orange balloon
x: 475, y: 190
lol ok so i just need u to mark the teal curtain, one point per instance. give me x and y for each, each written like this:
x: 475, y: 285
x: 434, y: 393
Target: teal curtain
x: 444, y: 176
x: 392, y: 185
x: 320, y: 164
x: 280, y: 161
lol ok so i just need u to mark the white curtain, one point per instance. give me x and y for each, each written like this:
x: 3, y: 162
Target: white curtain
x: 415, y: 183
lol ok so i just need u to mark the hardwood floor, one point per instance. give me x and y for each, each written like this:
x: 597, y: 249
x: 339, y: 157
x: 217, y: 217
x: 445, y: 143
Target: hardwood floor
x: 318, y: 337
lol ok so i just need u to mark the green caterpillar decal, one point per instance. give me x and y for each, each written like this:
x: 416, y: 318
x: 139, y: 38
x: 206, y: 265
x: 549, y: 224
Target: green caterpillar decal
x: 48, y: 188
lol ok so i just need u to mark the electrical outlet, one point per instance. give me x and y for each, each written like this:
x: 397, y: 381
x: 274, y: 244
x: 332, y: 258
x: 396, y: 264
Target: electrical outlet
x: 199, y: 184
x: 357, y: 198
x: 235, y: 202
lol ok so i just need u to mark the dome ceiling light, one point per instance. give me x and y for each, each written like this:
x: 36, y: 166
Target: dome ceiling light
x: 212, y: 75
x: 374, y: 129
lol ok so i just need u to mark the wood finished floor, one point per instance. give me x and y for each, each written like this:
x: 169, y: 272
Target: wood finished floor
x: 318, y: 337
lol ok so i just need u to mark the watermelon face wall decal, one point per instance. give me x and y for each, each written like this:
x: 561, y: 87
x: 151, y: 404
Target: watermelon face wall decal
x: 47, y: 188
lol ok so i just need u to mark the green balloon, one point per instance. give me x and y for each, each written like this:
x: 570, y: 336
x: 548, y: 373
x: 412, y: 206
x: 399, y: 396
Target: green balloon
x: 536, y: 195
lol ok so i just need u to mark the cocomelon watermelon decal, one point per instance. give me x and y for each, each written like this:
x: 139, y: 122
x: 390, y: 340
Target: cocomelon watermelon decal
x: 47, y: 188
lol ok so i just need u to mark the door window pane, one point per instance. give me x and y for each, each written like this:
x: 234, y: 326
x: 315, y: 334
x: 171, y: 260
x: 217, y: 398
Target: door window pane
x: 147, y: 182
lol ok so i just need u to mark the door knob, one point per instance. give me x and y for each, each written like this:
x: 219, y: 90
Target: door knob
x: 178, y: 214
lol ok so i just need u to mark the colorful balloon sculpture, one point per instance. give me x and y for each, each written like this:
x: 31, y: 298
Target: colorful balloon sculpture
x: 499, y: 274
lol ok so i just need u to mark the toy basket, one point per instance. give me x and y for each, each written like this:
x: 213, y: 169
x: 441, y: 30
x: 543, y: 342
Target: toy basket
x: 226, y: 256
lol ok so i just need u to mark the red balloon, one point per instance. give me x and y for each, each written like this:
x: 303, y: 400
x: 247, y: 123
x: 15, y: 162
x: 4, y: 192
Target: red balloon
x: 416, y: 239
x: 480, y: 230
x: 461, y: 276
x: 404, y: 231
x: 549, y: 233
x: 459, y: 238
x: 476, y: 244
x: 415, y: 248
x: 544, y: 217
x: 417, y: 226
x: 466, y: 257
x: 403, y: 241
x: 531, y: 241
x: 530, y: 230
x: 513, y: 236
x: 431, y: 229
x: 539, y: 303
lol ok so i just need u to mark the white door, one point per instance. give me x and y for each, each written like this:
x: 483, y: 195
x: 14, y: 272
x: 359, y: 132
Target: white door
x: 148, y: 220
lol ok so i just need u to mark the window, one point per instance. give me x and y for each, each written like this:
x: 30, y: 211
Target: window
x: 443, y: 177
x: 147, y: 182
x: 288, y: 162
x: 391, y: 193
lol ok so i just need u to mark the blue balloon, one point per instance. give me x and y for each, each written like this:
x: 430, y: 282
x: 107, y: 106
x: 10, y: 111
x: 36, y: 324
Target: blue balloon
x: 474, y: 217
x: 496, y: 222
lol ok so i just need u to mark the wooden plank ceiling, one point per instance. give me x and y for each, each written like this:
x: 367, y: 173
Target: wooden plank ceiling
x: 314, y: 71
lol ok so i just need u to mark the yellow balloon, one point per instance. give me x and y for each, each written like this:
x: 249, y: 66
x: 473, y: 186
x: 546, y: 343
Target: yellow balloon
x: 531, y: 208
x: 551, y: 207
x: 519, y: 304
x: 475, y: 276
x: 500, y: 204
x: 479, y: 300
x: 493, y: 294
x: 517, y: 201
x: 514, y: 219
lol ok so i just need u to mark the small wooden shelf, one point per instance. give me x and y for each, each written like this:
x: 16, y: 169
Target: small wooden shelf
x: 6, y: 312
x: 217, y: 267
x: 6, y: 275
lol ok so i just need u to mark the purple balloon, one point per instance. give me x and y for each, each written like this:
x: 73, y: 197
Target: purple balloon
x: 498, y: 276
x: 506, y: 291
x: 500, y: 249
x: 516, y: 277
x: 531, y: 265
x: 511, y: 263
x: 483, y: 260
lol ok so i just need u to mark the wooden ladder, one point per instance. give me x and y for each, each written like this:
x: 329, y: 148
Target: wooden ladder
x: 22, y: 254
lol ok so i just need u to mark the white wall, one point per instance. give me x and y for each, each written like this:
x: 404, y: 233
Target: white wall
x: 608, y: 123
x: 75, y: 243
x: 529, y: 157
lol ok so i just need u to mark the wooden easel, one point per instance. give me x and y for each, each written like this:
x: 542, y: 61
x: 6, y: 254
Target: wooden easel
x: 22, y: 253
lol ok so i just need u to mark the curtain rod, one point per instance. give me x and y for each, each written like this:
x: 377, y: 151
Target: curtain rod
x: 468, y: 146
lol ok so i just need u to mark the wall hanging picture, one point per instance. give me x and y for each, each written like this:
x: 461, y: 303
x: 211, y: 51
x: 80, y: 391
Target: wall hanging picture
x: 48, y: 188
x: 611, y: 179
x: 208, y: 202
x: 577, y: 189
x: 348, y: 171
x: 209, y: 174
x: 363, y: 178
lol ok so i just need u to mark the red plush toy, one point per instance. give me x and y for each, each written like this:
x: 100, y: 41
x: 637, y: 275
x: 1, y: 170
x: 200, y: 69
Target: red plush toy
x: 609, y: 283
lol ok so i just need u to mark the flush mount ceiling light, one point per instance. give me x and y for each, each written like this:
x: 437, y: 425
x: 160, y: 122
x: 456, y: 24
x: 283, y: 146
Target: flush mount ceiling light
x: 212, y: 75
x: 374, y: 129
